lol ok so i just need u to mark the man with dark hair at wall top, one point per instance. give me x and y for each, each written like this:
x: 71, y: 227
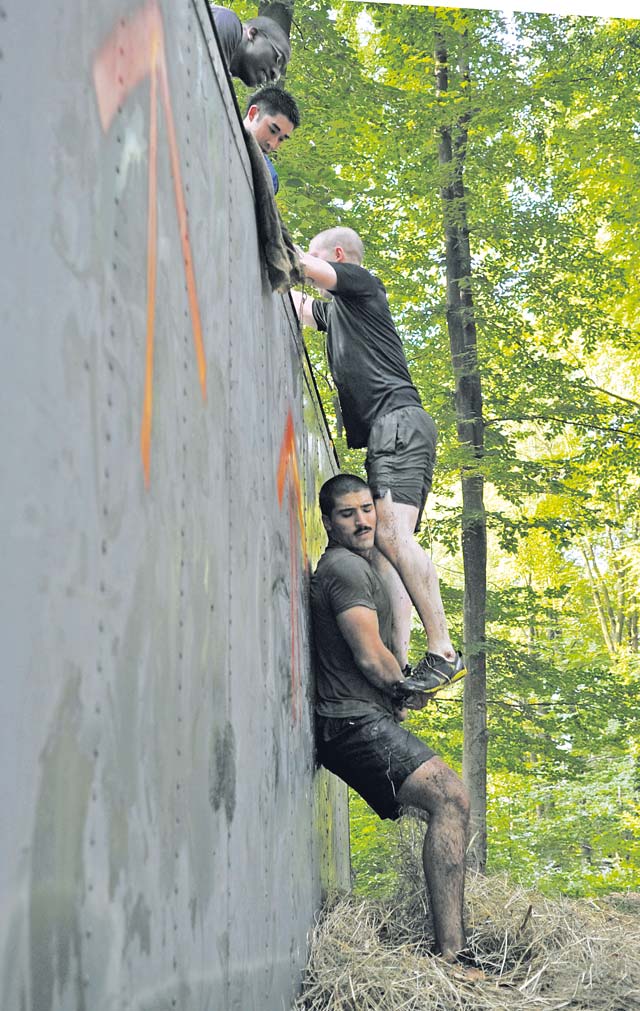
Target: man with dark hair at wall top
x: 272, y: 115
x: 360, y: 695
x: 256, y: 52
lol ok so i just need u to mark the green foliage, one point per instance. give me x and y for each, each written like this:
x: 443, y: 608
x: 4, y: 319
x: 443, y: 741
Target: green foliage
x: 552, y: 176
x: 577, y: 837
x: 374, y: 854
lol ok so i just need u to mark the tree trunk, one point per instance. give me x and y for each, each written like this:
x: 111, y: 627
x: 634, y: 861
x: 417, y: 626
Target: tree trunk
x: 470, y: 426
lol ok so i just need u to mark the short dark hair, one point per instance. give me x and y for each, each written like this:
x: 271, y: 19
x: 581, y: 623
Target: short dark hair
x: 276, y: 102
x: 340, y: 484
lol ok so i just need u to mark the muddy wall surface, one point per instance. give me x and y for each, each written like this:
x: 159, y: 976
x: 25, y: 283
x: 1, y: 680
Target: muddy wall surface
x: 165, y: 837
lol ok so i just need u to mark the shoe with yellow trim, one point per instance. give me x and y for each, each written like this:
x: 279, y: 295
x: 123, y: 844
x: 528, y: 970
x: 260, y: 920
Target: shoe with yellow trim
x: 433, y: 673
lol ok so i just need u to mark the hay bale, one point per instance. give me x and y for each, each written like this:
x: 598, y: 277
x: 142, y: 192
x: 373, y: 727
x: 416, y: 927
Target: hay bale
x: 537, y: 954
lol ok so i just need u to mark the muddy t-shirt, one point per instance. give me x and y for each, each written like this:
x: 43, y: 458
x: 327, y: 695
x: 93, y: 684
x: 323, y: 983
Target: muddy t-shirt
x: 342, y: 580
x: 365, y: 352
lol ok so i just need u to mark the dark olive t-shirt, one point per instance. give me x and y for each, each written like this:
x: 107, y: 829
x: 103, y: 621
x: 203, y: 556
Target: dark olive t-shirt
x: 365, y: 352
x: 342, y: 580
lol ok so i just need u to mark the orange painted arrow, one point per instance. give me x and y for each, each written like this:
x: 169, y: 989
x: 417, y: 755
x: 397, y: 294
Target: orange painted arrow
x: 133, y: 51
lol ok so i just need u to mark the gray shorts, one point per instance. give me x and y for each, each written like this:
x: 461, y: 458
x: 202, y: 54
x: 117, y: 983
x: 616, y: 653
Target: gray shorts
x: 401, y: 455
x: 373, y: 754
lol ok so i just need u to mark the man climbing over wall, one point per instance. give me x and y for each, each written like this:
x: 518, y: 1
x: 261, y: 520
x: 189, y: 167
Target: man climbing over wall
x: 257, y: 52
x: 360, y: 691
x: 272, y: 115
x: 381, y: 410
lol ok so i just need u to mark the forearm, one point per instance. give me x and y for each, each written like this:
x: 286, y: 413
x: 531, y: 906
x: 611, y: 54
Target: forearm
x: 303, y: 307
x: 382, y: 669
x: 359, y: 626
x: 318, y: 271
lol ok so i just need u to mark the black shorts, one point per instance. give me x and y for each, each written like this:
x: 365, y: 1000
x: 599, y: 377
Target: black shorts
x: 401, y: 455
x: 373, y: 754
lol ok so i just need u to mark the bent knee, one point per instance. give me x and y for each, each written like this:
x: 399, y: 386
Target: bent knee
x: 391, y: 538
x: 435, y: 787
x: 386, y: 539
x: 459, y: 796
x: 455, y: 792
x: 395, y: 542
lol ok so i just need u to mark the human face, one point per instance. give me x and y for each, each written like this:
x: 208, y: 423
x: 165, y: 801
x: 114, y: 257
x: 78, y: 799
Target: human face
x: 352, y: 523
x: 257, y: 60
x: 268, y: 129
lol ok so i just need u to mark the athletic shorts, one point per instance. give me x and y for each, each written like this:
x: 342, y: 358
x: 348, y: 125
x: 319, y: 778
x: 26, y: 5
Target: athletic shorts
x: 373, y: 754
x: 401, y: 454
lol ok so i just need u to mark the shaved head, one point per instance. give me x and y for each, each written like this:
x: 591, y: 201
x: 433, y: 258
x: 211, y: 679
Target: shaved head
x: 346, y: 238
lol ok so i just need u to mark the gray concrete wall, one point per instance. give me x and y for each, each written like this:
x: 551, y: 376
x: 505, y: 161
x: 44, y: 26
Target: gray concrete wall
x: 165, y: 838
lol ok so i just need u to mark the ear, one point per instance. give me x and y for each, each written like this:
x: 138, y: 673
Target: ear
x: 250, y: 32
x: 339, y: 257
x: 326, y: 522
x: 253, y: 113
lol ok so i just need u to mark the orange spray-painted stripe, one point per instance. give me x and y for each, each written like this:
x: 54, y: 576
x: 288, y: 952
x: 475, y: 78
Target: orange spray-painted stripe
x: 124, y: 59
x: 296, y: 622
x: 184, y: 231
x: 283, y: 461
x: 152, y: 241
x: 288, y: 467
x: 298, y: 495
x: 134, y: 50
x: 293, y: 608
x: 288, y: 462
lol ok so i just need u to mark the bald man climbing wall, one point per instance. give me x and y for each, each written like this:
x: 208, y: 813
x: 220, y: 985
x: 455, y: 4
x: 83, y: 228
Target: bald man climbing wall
x: 381, y: 409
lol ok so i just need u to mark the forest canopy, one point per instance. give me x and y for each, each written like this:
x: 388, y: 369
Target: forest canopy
x: 542, y: 114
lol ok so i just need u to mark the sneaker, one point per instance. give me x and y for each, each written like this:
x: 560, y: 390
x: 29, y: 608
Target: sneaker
x: 433, y: 673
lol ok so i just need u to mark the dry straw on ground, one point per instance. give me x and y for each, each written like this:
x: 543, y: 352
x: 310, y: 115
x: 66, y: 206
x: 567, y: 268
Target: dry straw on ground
x: 537, y: 954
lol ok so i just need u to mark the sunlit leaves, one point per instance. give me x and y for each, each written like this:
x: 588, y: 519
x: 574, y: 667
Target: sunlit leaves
x: 553, y: 176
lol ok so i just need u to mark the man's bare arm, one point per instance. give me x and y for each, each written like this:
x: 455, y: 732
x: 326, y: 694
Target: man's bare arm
x: 319, y: 272
x: 359, y: 626
x: 302, y: 304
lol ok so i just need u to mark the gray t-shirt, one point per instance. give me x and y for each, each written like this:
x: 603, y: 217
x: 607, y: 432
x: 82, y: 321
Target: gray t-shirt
x: 343, y: 580
x: 365, y: 352
x: 229, y: 30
